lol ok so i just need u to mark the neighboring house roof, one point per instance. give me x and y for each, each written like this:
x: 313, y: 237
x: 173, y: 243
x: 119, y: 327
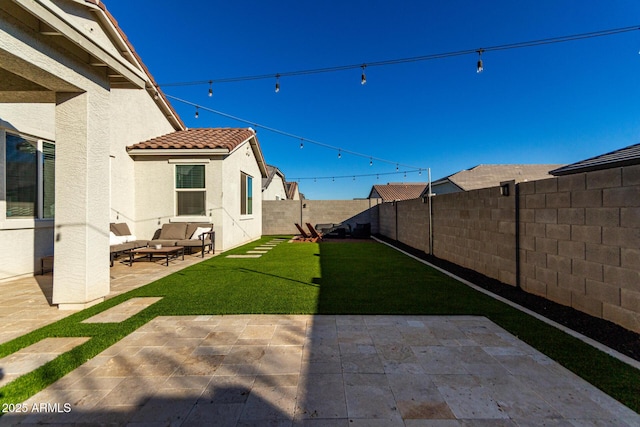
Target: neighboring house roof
x: 219, y: 140
x: 483, y: 176
x: 397, y: 191
x: 623, y: 157
x: 292, y: 189
x: 272, y: 171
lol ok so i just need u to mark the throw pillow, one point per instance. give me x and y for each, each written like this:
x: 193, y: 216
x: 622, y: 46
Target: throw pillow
x: 196, y: 234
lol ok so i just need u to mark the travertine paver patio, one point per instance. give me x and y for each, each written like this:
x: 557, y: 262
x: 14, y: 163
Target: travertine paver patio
x: 287, y: 370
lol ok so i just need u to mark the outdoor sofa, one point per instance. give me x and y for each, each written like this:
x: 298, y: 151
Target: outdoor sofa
x: 121, y: 240
x: 190, y: 235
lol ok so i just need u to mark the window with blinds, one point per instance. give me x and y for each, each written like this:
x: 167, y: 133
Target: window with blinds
x: 190, y: 190
x: 29, y: 177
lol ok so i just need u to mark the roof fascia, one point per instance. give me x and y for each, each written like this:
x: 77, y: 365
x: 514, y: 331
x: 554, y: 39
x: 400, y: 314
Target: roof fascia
x: 57, y: 22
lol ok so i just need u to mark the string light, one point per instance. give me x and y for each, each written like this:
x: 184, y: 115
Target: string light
x: 277, y: 83
x: 480, y: 66
x: 370, y: 161
x: 210, y: 88
x: 509, y: 46
x: 363, y: 78
x: 301, y: 143
x: 197, y: 113
x: 352, y: 177
x: 255, y: 126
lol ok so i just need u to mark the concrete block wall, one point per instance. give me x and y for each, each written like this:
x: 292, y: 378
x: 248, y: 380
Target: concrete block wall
x: 476, y: 230
x: 280, y: 216
x: 413, y: 230
x: 387, y: 220
x: 580, y: 242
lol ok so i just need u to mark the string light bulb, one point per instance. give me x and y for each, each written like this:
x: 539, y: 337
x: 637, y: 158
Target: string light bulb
x: 480, y: 66
x: 197, y: 113
x: 363, y: 78
x: 301, y: 143
x: 210, y: 88
x: 370, y: 161
x: 339, y: 154
x: 277, y: 83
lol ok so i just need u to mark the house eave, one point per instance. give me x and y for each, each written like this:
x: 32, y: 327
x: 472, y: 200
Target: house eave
x: 59, y: 27
x: 178, y: 152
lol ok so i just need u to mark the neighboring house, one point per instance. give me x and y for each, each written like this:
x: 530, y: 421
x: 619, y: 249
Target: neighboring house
x: 273, y: 186
x: 396, y: 191
x: 201, y: 175
x: 627, y: 156
x: 484, y: 176
x: 293, y: 191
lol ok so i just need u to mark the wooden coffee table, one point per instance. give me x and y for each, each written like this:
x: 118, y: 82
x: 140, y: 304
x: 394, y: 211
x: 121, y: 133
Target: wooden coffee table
x: 167, y: 252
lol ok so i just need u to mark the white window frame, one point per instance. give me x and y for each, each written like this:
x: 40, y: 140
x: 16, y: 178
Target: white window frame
x: 186, y: 190
x: 21, y: 221
x: 246, y: 184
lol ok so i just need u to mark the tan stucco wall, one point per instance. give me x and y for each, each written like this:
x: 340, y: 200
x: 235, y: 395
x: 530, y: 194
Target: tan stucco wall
x: 236, y: 228
x: 134, y: 118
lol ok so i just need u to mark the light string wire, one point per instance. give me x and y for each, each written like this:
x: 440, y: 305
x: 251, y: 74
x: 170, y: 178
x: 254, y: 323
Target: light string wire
x: 518, y: 45
x: 296, y: 137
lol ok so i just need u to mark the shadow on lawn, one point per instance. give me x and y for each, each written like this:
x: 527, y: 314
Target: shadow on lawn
x: 315, y: 284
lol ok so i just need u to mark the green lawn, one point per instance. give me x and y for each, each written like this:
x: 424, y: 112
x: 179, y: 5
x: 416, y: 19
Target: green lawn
x: 326, y: 278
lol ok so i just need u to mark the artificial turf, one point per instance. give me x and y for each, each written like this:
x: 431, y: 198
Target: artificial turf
x: 310, y: 278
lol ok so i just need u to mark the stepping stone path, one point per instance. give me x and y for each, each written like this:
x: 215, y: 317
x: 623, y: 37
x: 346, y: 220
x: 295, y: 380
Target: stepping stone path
x: 123, y: 311
x: 258, y: 251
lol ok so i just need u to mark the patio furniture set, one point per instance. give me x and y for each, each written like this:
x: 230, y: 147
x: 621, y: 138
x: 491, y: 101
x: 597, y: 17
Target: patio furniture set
x: 168, y: 242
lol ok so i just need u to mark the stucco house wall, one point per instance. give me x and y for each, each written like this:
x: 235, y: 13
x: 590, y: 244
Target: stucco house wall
x: 155, y: 201
x: 68, y: 68
x: 237, y: 228
x: 134, y: 117
x: 276, y: 189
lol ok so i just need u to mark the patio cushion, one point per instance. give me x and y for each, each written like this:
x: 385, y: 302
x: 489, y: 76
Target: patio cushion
x: 192, y: 226
x: 120, y: 229
x: 174, y: 230
x: 193, y: 243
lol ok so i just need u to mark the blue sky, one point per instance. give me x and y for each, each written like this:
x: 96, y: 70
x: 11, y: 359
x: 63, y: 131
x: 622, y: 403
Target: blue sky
x: 556, y: 103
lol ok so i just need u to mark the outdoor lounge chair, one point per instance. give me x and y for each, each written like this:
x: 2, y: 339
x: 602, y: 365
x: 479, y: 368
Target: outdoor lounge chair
x: 303, y: 234
x: 314, y: 234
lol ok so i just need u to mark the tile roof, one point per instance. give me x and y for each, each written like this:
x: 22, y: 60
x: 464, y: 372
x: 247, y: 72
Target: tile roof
x: 401, y: 191
x: 623, y: 157
x: 484, y: 176
x: 205, y: 138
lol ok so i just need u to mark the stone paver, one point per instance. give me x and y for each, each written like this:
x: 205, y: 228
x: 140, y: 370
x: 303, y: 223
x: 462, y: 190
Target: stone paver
x: 290, y: 370
x: 30, y: 358
x: 123, y: 311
